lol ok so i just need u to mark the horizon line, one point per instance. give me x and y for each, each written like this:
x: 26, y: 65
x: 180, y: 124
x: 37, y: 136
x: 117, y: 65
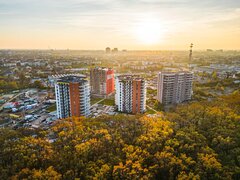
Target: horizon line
x: 119, y: 50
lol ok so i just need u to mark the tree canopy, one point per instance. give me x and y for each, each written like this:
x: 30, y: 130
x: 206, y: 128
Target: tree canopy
x: 197, y: 141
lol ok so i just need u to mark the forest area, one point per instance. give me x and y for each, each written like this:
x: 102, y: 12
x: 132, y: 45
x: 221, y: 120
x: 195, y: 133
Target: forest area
x: 199, y: 140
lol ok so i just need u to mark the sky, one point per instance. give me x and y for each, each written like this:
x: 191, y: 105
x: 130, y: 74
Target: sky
x: 125, y: 24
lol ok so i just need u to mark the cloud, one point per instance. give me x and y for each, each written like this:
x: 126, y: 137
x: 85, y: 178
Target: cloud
x: 117, y: 17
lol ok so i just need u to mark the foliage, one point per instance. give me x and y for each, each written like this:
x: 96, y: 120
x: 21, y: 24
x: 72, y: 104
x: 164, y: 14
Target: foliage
x: 37, y: 84
x: 8, y: 85
x: 196, y: 141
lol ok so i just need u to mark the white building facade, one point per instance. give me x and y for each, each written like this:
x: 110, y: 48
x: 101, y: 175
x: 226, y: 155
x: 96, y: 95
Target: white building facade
x: 174, y: 87
x: 72, y: 97
x: 130, y: 94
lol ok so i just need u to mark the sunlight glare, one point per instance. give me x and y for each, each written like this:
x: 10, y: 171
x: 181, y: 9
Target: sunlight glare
x: 149, y: 32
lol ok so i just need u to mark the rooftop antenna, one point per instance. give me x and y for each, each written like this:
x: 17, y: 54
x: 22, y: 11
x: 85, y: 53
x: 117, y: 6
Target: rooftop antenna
x: 190, y: 55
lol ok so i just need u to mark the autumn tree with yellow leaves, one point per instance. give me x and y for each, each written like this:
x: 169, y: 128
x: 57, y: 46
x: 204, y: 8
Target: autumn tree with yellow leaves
x: 200, y: 140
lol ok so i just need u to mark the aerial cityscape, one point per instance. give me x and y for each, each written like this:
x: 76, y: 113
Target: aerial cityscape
x: 82, y: 97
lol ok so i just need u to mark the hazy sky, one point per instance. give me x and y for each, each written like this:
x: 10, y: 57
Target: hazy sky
x: 126, y: 24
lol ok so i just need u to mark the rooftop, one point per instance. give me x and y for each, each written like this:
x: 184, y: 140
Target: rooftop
x: 175, y: 72
x: 130, y: 78
x: 64, y: 75
x: 102, y: 68
x: 72, y: 79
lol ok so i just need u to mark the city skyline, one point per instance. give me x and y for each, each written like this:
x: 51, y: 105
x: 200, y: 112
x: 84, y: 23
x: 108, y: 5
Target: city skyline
x: 140, y: 25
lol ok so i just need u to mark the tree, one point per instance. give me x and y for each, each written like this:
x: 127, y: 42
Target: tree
x: 199, y: 140
x: 49, y: 173
x: 214, y: 75
x: 38, y: 84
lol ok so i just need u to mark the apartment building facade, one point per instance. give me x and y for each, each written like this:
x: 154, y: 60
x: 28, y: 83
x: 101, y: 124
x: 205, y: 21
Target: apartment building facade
x: 174, y: 87
x: 102, y: 81
x: 130, y: 94
x: 72, y: 96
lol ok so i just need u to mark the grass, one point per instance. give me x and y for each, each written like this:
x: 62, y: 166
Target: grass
x: 95, y: 100
x: 108, y: 102
x: 150, y: 111
x: 52, y: 108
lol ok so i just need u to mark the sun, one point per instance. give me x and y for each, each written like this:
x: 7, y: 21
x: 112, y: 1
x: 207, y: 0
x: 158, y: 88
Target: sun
x: 149, y: 32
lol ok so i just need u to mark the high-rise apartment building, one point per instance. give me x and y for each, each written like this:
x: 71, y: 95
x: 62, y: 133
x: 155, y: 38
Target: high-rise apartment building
x: 130, y: 94
x: 102, y: 81
x: 108, y: 49
x: 174, y: 87
x: 72, y: 96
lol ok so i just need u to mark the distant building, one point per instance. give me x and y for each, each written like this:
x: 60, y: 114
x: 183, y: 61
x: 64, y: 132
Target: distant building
x: 72, y: 96
x: 9, y: 64
x: 115, y: 50
x: 174, y: 87
x: 102, y: 81
x: 209, y: 50
x: 130, y: 94
x: 108, y: 50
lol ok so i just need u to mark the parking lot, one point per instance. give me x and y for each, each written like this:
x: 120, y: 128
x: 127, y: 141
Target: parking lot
x: 28, y: 108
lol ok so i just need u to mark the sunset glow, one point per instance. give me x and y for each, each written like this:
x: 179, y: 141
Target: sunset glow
x: 145, y: 24
x: 149, y: 32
